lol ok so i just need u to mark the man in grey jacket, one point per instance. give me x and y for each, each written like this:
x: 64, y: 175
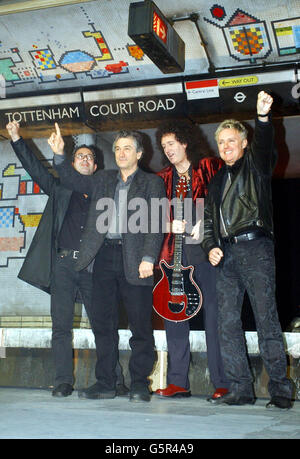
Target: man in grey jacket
x: 125, y: 243
x: 50, y: 260
x: 238, y: 238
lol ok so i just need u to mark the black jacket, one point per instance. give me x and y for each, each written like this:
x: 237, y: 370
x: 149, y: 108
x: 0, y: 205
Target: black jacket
x: 248, y: 202
x: 37, y: 266
x: 102, y: 185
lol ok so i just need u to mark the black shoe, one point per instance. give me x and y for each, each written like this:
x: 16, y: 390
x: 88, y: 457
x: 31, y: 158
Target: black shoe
x: 236, y: 399
x: 279, y: 402
x: 62, y: 390
x: 121, y: 390
x: 96, y: 392
x: 140, y: 395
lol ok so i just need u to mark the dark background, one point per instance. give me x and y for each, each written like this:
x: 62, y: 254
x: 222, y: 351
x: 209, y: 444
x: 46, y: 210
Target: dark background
x: 286, y: 208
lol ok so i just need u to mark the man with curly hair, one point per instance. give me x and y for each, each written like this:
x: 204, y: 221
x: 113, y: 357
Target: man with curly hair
x: 180, y: 143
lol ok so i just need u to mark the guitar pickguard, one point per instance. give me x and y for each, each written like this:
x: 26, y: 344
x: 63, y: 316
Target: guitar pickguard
x: 176, y: 296
x: 180, y: 300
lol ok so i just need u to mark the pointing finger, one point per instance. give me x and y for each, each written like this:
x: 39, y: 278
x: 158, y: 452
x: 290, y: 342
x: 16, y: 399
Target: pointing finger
x: 57, y: 129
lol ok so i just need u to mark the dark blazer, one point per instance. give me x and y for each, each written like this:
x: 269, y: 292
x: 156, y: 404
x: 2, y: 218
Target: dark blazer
x: 102, y: 185
x: 37, y: 266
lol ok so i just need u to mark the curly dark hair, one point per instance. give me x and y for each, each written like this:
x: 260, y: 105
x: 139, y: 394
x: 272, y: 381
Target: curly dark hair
x: 187, y: 133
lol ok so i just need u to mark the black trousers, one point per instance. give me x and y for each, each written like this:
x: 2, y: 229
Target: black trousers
x: 177, y: 334
x: 109, y: 286
x: 251, y: 266
x: 65, y: 285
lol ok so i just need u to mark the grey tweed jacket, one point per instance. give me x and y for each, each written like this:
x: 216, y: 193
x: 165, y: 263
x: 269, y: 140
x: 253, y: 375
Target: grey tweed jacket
x: 102, y: 185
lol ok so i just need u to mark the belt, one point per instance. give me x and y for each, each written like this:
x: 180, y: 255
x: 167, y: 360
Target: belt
x: 112, y: 242
x: 67, y: 252
x: 249, y: 236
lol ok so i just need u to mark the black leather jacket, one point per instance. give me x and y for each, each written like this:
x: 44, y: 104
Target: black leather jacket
x: 248, y: 202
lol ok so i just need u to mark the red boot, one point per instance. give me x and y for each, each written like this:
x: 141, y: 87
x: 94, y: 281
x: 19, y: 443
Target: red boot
x: 173, y: 391
x: 217, y: 395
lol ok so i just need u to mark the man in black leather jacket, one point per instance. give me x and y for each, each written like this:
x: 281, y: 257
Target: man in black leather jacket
x: 238, y: 238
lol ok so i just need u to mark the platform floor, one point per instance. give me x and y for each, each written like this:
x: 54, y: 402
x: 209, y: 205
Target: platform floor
x: 36, y: 414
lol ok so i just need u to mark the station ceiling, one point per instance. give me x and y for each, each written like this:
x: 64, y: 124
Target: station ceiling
x: 74, y: 61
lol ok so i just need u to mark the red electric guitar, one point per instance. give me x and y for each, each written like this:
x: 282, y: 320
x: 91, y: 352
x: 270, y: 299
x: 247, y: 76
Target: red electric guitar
x: 176, y: 296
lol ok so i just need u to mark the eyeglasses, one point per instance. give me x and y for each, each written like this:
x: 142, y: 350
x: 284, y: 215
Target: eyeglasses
x: 88, y: 156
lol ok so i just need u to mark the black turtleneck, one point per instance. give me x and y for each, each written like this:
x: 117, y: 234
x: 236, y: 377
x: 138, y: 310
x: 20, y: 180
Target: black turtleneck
x: 233, y: 170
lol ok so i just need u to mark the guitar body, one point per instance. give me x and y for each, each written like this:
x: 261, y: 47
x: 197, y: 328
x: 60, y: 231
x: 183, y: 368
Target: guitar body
x: 176, y: 296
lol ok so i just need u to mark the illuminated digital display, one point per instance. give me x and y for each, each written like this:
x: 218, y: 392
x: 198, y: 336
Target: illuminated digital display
x: 156, y: 37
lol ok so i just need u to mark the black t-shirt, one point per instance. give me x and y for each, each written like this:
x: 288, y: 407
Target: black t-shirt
x: 74, y: 223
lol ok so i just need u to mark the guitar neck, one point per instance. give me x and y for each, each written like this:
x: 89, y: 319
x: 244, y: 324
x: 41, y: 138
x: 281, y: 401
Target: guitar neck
x: 178, y: 237
x: 178, y: 252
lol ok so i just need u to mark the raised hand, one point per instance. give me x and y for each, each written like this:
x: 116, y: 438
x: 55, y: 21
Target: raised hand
x: 264, y: 102
x: 13, y: 130
x: 56, y: 141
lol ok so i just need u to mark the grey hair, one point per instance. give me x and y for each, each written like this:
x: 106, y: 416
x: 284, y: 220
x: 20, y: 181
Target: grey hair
x: 135, y: 135
x: 232, y: 124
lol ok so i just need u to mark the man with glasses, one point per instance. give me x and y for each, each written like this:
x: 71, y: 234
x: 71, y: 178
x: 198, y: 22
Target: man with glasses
x: 51, y: 257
